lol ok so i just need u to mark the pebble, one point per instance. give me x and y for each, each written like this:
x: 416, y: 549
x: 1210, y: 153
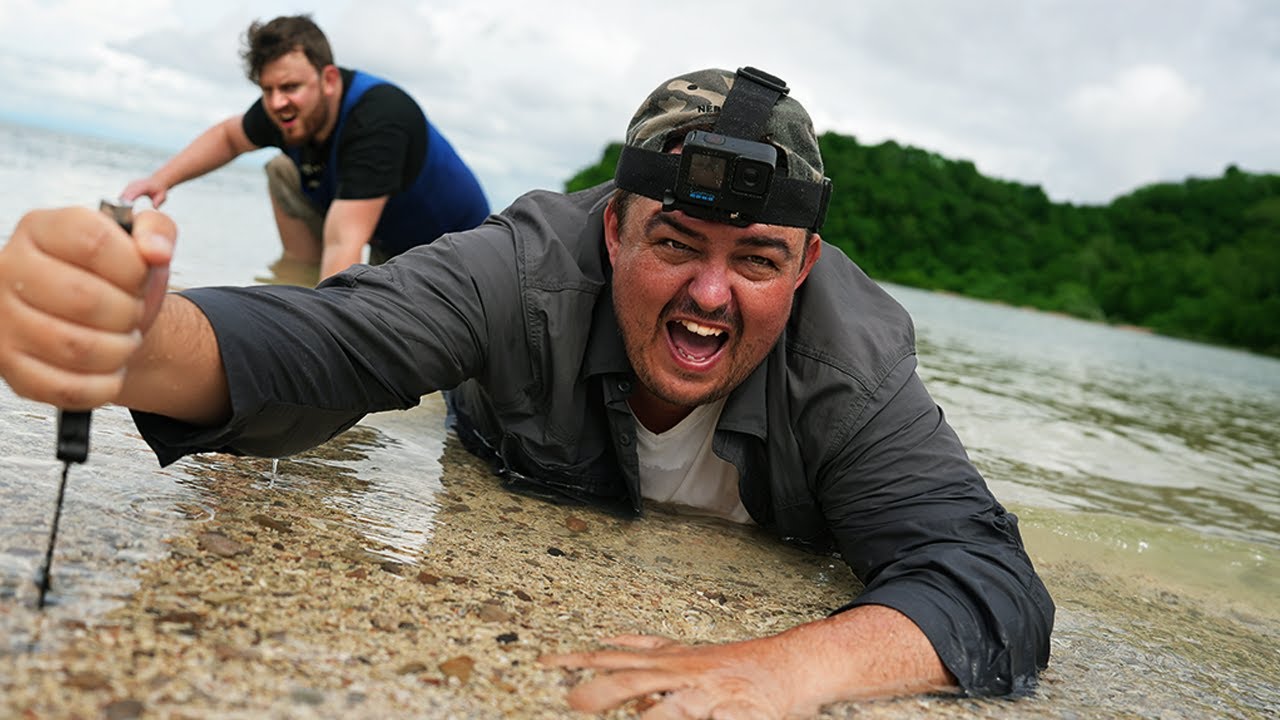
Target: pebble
x: 459, y: 667
x: 123, y: 710
x: 221, y: 545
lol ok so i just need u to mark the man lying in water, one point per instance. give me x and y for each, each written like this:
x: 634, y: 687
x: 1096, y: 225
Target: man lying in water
x: 679, y: 334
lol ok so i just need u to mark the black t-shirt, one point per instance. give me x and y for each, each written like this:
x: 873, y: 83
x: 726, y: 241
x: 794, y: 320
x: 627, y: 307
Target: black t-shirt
x: 381, y: 151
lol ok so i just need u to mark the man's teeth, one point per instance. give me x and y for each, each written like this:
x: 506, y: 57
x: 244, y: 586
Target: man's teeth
x: 697, y: 329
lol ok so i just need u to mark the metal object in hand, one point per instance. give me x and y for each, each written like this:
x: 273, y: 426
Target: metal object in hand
x: 73, y: 431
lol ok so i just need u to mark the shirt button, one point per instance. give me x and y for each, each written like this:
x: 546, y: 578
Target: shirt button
x: 625, y: 386
x: 625, y: 440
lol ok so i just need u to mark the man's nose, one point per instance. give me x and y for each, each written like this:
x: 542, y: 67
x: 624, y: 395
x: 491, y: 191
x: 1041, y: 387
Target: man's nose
x: 710, y: 287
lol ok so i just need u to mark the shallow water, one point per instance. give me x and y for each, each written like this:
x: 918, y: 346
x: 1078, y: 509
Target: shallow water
x: 1145, y: 471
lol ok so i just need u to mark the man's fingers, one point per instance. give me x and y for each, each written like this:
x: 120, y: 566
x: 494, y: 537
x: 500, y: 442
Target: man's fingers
x: 609, y: 691
x: 640, y: 642
x: 41, y: 382
x: 613, y: 659
x: 689, y: 704
x: 90, y: 240
x: 69, y: 345
x: 156, y: 235
x: 601, y: 660
x: 78, y: 296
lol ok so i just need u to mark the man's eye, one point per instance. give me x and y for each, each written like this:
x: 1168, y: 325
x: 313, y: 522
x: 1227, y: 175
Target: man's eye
x: 674, y: 244
x: 762, y: 261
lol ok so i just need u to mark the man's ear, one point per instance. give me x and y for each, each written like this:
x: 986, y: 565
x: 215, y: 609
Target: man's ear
x: 611, y: 229
x: 331, y: 78
x: 812, y: 251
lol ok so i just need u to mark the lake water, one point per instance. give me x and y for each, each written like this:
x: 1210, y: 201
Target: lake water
x: 1140, y: 466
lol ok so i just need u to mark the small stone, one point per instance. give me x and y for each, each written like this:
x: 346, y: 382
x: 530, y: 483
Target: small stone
x: 412, y: 668
x: 575, y: 524
x: 555, y: 552
x: 224, y: 652
x: 123, y: 710
x: 221, y: 545
x: 490, y: 612
x: 507, y: 638
x: 360, y: 555
x: 523, y: 595
x: 427, y: 578
x: 87, y: 680
x: 181, y: 617
x: 220, y: 598
x: 307, y: 696
x: 459, y: 667
x: 383, y: 621
x: 269, y: 522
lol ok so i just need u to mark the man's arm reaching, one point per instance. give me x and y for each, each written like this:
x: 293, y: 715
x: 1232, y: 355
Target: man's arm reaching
x: 177, y: 372
x: 867, y: 652
x: 348, y: 227
x: 212, y: 149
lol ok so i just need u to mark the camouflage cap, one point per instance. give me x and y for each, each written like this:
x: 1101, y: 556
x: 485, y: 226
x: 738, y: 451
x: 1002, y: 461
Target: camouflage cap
x: 693, y: 100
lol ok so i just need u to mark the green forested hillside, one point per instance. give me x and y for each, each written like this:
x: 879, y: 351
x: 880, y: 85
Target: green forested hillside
x: 1198, y: 259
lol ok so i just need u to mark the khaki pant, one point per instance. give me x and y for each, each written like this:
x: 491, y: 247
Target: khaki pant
x: 285, y: 185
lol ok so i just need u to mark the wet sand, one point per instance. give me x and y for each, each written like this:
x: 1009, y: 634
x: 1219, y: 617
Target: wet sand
x: 277, y: 606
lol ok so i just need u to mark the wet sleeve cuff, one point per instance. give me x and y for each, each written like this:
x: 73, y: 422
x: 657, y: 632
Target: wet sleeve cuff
x: 990, y: 630
x: 279, y: 404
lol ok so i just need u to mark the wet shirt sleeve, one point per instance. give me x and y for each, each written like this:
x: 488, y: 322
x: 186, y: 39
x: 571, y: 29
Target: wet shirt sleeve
x: 302, y: 365
x: 916, y: 523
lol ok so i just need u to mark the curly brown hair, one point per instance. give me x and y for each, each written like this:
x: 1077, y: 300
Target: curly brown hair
x: 266, y: 42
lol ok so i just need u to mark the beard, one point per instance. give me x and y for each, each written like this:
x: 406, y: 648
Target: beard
x: 642, y: 343
x: 308, y: 125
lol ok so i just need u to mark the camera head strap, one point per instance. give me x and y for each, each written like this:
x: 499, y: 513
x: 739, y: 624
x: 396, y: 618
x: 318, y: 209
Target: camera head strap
x: 727, y: 175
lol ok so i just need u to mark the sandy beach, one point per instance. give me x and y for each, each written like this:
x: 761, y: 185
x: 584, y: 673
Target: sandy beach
x: 277, y: 607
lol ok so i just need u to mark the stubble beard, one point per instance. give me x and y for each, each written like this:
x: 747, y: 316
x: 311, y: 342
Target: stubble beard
x: 636, y: 341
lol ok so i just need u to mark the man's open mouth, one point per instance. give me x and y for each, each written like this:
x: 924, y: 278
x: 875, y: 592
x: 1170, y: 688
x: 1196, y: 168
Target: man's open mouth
x: 695, y: 342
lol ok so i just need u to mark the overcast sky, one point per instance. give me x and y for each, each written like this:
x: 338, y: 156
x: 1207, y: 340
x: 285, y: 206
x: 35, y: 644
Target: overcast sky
x: 1087, y: 98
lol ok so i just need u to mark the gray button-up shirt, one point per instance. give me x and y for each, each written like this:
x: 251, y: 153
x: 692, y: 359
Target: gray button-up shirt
x: 837, y: 443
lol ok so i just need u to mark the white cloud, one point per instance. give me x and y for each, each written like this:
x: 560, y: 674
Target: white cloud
x: 1138, y: 99
x: 1087, y: 98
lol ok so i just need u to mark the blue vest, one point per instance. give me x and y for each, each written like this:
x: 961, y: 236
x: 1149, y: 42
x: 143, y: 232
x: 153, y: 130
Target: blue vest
x: 445, y: 197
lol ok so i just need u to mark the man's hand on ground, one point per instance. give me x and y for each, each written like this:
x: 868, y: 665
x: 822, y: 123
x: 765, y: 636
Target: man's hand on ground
x: 741, y: 680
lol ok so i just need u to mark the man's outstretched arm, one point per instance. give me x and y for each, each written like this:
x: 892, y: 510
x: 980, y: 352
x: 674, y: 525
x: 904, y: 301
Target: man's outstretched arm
x: 867, y: 652
x: 348, y: 227
x: 215, y: 147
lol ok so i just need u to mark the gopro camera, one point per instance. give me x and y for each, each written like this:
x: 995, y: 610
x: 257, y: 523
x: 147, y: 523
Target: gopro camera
x: 723, y: 174
x: 729, y: 175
